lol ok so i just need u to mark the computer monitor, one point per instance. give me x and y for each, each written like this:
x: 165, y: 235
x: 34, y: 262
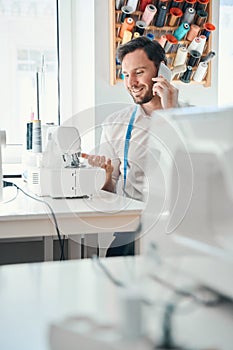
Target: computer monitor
x: 189, y: 185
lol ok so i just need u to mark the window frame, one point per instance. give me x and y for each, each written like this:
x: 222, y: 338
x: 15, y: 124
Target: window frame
x: 13, y: 153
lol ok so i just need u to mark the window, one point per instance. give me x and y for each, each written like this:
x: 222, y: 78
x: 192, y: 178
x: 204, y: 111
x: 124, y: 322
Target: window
x: 28, y: 65
x: 225, y: 69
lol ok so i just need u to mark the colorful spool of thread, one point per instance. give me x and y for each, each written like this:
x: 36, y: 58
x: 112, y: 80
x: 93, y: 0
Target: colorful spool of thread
x: 162, y: 3
x: 140, y: 27
x: 36, y: 136
x: 175, y: 14
x: 181, y: 31
x: 194, y: 44
x: 208, y: 28
x: 200, y: 72
x: 143, y: 4
x: 188, y: 3
x: 127, y: 36
x: 133, y: 4
x: 119, y: 4
x: 181, y: 56
x: 162, y: 40
x: 136, y: 35
x: 186, y: 77
x: 189, y: 15
x: 201, y: 4
x: 201, y: 17
x: 201, y: 46
x: 126, y: 12
x: 150, y: 36
x: 148, y: 14
x: 193, y: 32
x: 177, y: 3
x: 171, y: 41
x: 193, y: 58
x: 208, y: 57
x: 161, y: 17
x: 127, y: 25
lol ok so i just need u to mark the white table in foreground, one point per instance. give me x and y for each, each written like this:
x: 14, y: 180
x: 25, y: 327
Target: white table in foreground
x: 33, y: 296
x: 104, y: 212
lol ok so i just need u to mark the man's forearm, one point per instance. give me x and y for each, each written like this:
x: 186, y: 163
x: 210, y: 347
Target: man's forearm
x: 109, y: 185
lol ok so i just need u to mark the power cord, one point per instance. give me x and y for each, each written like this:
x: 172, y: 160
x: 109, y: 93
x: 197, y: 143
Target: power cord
x: 61, y: 241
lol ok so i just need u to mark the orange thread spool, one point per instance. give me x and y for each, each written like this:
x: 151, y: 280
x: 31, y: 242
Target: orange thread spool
x: 193, y: 32
x: 175, y: 14
x: 127, y: 25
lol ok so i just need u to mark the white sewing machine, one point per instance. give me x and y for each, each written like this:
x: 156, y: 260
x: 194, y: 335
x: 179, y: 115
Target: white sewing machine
x: 57, y: 171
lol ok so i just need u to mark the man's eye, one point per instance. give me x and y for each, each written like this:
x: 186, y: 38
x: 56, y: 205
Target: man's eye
x: 139, y: 72
x: 126, y: 75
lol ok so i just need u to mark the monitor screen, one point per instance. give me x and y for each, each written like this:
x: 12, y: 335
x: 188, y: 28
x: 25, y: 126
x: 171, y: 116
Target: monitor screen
x: 189, y: 179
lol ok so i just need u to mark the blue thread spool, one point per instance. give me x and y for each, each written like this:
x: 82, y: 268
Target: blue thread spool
x: 150, y: 36
x: 161, y: 17
x: 181, y: 31
x: 208, y: 28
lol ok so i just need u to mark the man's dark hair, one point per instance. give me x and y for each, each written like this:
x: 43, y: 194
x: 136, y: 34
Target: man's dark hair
x: 155, y: 52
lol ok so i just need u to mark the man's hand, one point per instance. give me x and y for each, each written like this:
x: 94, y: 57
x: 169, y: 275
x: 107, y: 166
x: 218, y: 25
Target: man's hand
x: 166, y: 91
x: 102, y: 162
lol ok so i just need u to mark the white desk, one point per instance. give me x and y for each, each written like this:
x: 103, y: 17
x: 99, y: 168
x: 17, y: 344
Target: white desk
x: 105, y: 212
x: 32, y: 296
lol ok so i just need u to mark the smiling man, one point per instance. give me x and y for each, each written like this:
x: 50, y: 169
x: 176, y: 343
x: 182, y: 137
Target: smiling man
x: 125, y: 133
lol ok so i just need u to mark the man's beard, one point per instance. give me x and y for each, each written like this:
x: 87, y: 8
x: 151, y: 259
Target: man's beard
x: 144, y: 99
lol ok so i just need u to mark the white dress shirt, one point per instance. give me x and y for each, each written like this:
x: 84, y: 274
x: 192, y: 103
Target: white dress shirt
x: 113, y: 137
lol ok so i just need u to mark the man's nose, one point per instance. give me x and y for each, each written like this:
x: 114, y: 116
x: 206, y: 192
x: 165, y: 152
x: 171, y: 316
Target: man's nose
x: 132, y: 80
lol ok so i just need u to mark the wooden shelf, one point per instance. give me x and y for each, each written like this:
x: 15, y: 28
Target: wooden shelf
x: 115, y: 41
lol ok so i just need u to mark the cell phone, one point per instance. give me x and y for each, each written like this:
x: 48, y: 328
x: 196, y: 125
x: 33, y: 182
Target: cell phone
x: 165, y: 71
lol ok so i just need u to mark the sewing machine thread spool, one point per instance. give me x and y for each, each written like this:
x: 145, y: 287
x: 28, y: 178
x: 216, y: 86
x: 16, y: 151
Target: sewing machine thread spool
x: 189, y: 15
x: 119, y: 4
x: 149, y: 14
x: 171, y: 42
x: 126, y: 12
x: 140, y: 27
x: 133, y: 4
x: 181, y: 56
x: 162, y: 40
x: 186, y: 77
x: 193, y: 58
x: 175, y: 14
x: 127, y: 25
x: 143, y: 4
x: 127, y: 36
x: 188, y: 3
x: 161, y: 17
x: 200, y: 72
x: 201, y: 4
x: 193, y: 32
x: 201, y: 17
x: 181, y: 31
x: 36, y: 136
